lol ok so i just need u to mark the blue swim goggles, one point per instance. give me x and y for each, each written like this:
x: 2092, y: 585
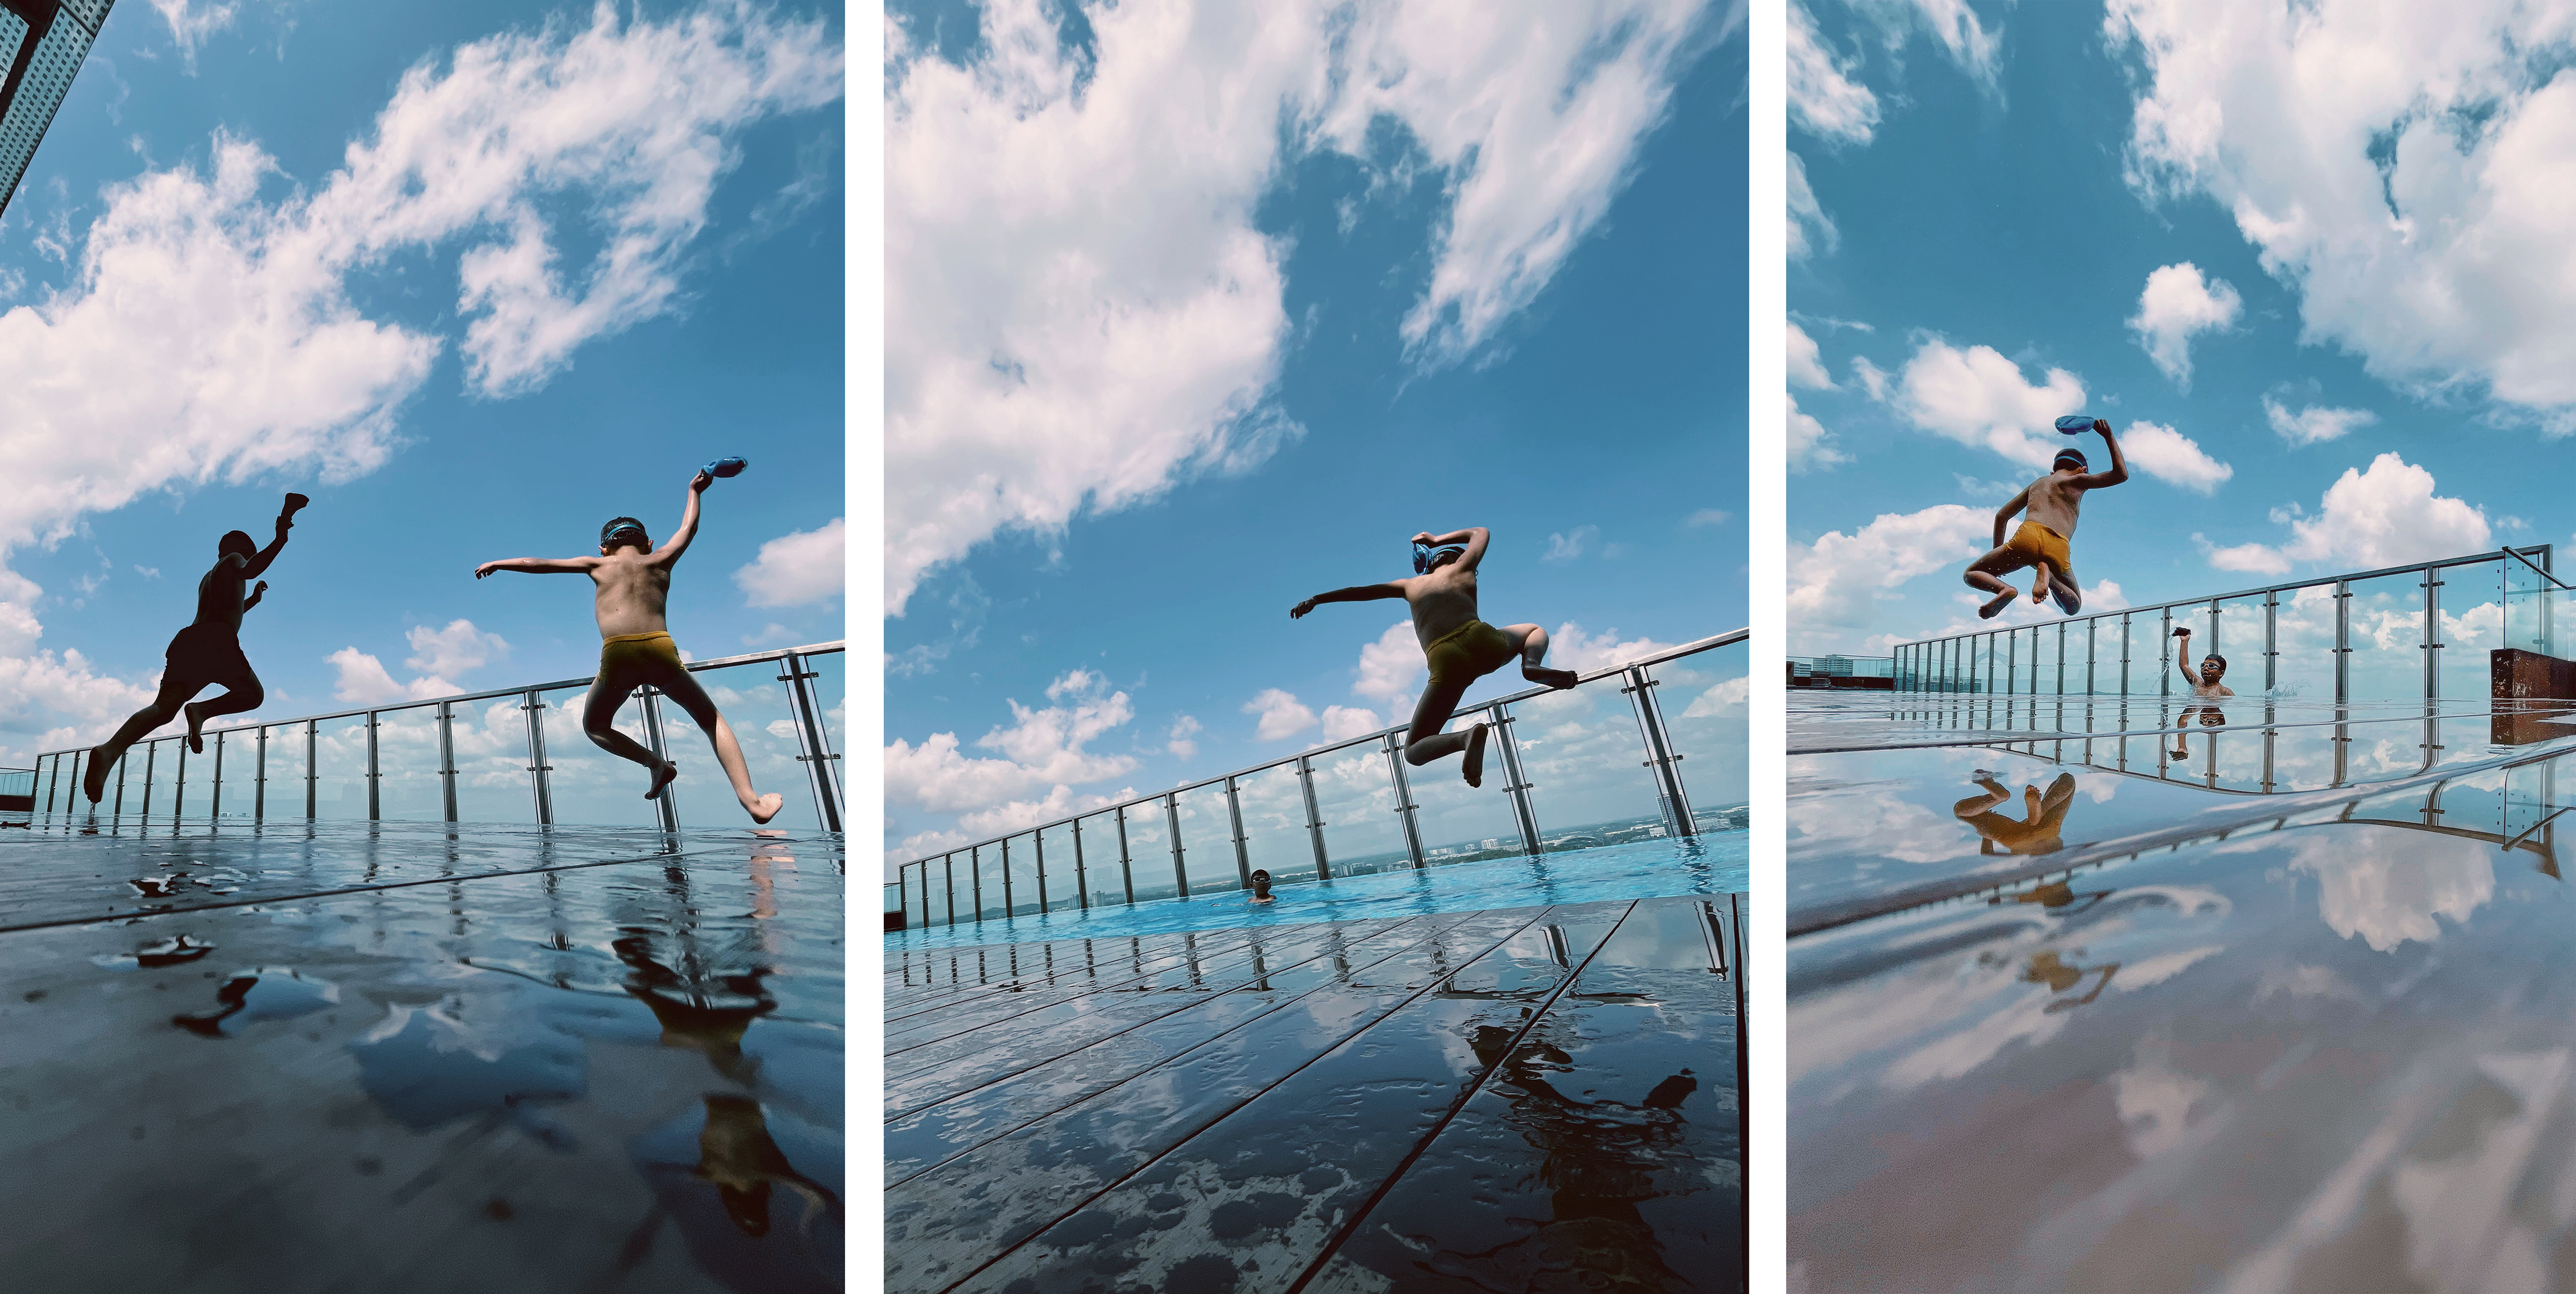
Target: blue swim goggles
x: 1424, y: 554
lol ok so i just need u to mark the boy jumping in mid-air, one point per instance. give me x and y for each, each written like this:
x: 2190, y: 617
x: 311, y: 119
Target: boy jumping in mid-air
x: 1459, y: 647
x: 205, y: 653
x: 634, y: 581
x: 2053, y: 501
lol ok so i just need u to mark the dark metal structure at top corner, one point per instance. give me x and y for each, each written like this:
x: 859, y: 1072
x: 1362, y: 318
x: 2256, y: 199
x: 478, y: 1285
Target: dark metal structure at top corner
x: 45, y: 41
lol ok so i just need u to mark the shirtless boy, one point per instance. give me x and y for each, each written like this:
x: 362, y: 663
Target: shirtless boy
x: 2205, y: 686
x: 205, y: 653
x: 633, y: 579
x: 2053, y: 501
x: 1459, y: 647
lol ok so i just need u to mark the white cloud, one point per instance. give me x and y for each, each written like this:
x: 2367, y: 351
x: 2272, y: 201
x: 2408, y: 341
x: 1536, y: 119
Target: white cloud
x: 1040, y: 748
x: 191, y: 23
x: 1282, y: 715
x: 1950, y: 23
x: 1823, y: 99
x: 1810, y: 229
x: 214, y: 334
x: 1805, y: 369
x: 1811, y: 447
x: 2168, y: 455
x: 1086, y: 313
x: 1342, y: 722
x: 453, y: 650
x: 2176, y: 303
x: 2386, y: 516
x: 797, y: 568
x: 2315, y: 424
x: 1724, y: 701
x: 1183, y: 730
x: 1569, y: 647
x: 364, y: 681
x: 2403, y: 167
x: 1978, y: 397
x: 1871, y: 377
x: 1836, y: 582
x: 1564, y: 548
x: 1706, y: 517
x: 1391, y: 669
x: 2386, y: 887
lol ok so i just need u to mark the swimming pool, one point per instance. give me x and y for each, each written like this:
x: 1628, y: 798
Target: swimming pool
x: 1712, y: 864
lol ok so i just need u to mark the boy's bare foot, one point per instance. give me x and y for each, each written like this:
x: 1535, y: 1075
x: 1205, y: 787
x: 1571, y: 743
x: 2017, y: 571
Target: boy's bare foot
x: 94, y: 779
x: 1556, y: 678
x: 661, y: 778
x: 764, y: 807
x: 1995, y: 605
x: 2038, y: 593
x: 1475, y: 762
x: 196, y: 727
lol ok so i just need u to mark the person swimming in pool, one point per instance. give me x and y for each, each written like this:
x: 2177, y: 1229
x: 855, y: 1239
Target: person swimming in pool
x: 1261, y: 887
x: 633, y: 580
x: 2205, y: 686
x: 2042, y: 540
x: 1459, y: 647
x: 206, y: 653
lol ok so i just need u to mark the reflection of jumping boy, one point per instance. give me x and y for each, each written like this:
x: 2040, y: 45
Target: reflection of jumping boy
x: 2053, y: 501
x: 634, y: 581
x: 205, y: 653
x: 1460, y: 647
x: 2043, y: 816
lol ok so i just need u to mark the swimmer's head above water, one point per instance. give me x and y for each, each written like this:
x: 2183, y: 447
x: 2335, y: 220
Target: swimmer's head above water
x: 2212, y: 667
x: 1260, y: 886
x: 623, y: 531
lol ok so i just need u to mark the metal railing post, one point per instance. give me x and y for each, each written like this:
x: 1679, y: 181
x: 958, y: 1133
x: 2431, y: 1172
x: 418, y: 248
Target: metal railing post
x: 1404, y: 803
x: 975, y: 878
x: 179, y: 782
x: 259, y: 780
x: 1314, y: 817
x: 2432, y: 649
x: 151, y: 753
x: 312, y: 769
x: 2061, y: 658
x: 215, y: 791
x: 539, y: 785
x: 2271, y: 647
x: 2164, y: 657
x: 1037, y: 844
x: 665, y: 811
x: 447, y: 759
x: 124, y: 761
x: 948, y: 872
x: 2124, y: 660
x: 1516, y: 783
x: 1172, y: 821
x: 1661, y: 757
x: 2012, y: 661
x: 1242, y: 847
x: 1126, y: 868
x: 2343, y: 644
x: 374, y: 773
x: 814, y: 739
x: 2092, y: 650
x: 1081, y: 878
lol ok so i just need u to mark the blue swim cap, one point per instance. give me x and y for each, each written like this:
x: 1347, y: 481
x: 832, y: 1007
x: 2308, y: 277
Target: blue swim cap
x: 1424, y: 555
x: 617, y: 525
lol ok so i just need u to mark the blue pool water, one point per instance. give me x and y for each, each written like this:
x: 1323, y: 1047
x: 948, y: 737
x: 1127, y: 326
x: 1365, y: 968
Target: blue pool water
x: 1713, y: 864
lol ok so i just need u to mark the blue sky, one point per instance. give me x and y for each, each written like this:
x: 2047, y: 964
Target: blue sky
x: 1160, y: 366
x: 2309, y: 263
x: 475, y: 277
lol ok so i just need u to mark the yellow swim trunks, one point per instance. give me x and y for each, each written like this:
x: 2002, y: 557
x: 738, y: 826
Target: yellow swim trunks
x: 2034, y: 543
x: 1469, y: 652
x: 630, y: 661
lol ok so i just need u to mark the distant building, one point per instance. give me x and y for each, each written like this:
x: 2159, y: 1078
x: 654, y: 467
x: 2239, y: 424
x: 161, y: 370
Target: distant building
x: 1831, y: 667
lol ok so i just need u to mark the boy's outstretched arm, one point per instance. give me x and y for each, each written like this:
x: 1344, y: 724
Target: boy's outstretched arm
x: 259, y: 563
x: 2119, y: 466
x: 538, y: 565
x: 1355, y: 593
x: 678, y: 543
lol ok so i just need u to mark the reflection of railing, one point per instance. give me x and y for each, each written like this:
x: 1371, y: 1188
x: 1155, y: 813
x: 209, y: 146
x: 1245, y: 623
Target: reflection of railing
x: 927, y: 890
x: 2018, y: 660
x: 57, y: 776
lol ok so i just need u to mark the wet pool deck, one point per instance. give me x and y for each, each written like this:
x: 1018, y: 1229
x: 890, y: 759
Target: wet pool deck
x: 1531, y: 1098
x: 415, y: 1057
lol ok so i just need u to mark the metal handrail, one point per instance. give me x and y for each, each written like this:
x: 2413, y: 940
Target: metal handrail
x: 1687, y: 649
x: 2354, y: 577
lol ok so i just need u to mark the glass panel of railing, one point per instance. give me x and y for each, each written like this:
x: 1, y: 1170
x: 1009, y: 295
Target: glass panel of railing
x: 992, y: 898
x: 1021, y: 859
x: 756, y: 706
x: 1207, y: 841
x: 589, y: 786
x: 2473, y: 599
x: 2303, y: 635
x: 922, y: 874
x: 1356, y: 797
x: 236, y: 764
x: 159, y: 780
x: 1274, y: 824
x: 2525, y: 610
x: 937, y: 873
x: 46, y: 776
x: 1149, y: 851
x: 831, y: 692
x: 1584, y: 758
x: 2236, y: 633
x: 408, y: 786
x: 192, y: 781
x: 491, y: 751
x: 2387, y: 638
x: 1055, y: 854
x: 1099, y: 834
x: 1703, y: 699
x: 340, y: 768
x: 1462, y: 823
x: 278, y: 795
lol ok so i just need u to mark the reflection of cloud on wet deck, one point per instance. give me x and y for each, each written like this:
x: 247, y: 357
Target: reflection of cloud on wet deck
x: 1885, y: 824
x: 2387, y: 885
x: 2154, y: 1099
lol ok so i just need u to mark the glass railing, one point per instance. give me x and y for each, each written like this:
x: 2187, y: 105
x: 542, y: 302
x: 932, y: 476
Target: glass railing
x: 1607, y: 754
x: 2402, y: 633
x: 514, y: 755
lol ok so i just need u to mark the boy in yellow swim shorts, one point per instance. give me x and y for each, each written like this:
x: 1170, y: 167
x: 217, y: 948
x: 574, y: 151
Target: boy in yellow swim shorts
x: 2043, y: 538
x: 1459, y: 647
x: 633, y: 580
